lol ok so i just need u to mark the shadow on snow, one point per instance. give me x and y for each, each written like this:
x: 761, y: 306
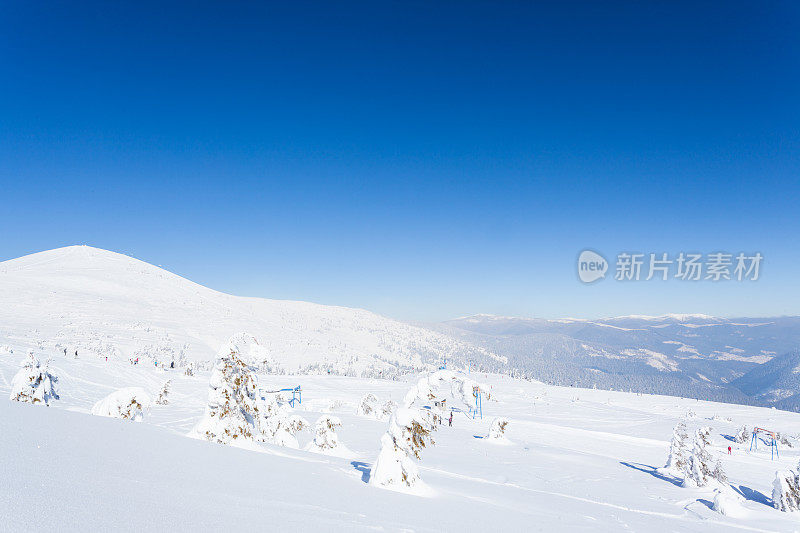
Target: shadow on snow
x: 364, y: 468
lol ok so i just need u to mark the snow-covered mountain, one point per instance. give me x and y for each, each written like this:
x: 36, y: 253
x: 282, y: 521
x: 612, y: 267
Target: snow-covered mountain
x: 106, y: 303
x: 689, y: 354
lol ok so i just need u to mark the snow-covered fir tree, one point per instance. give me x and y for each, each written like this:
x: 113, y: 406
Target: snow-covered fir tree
x: 718, y: 474
x: 276, y: 424
x: 232, y: 412
x: 325, y: 438
x: 786, y: 490
x: 698, y: 470
x: 742, y: 435
x: 677, y: 460
x: 497, y: 431
x: 388, y: 409
x: 163, y: 395
x: 34, y: 383
x: 408, y: 433
x: 368, y: 406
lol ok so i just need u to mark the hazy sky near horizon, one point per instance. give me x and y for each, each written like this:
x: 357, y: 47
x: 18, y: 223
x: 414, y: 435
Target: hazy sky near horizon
x: 420, y: 160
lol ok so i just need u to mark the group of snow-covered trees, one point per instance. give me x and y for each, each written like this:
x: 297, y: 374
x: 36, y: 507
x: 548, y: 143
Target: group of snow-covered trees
x: 371, y: 407
x: 410, y: 428
x: 698, y: 469
x: 695, y: 466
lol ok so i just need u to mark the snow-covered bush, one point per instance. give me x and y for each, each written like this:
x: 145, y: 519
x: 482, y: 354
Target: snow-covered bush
x: 163, y: 395
x: 497, y: 431
x: 742, y: 435
x: 786, y: 490
x: 190, y: 369
x: 34, y: 383
x: 325, y: 438
x: 368, y: 406
x: 408, y: 433
x: 728, y: 502
x: 131, y: 403
x: 698, y: 471
x: 232, y: 413
x: 677, y: 460
x: 280, y: 427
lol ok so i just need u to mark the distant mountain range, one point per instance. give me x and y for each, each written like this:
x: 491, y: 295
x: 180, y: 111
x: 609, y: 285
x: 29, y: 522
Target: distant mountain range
x: 747, y: 360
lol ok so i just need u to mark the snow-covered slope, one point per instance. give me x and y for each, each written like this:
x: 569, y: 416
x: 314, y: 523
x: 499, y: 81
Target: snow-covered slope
x: 106, y: 303
x: 576, y: 460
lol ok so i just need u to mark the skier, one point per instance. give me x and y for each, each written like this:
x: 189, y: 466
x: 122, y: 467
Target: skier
x: 172, y: 364
x: 729, y: 450
x: 450, y: 420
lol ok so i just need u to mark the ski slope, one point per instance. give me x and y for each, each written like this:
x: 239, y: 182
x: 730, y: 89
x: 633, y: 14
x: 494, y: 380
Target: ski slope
x: 578, y: 459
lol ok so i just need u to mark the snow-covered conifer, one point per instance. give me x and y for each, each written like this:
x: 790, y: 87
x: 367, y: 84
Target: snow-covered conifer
x: 325, y: 438
x: 368, y: 406
x: 388, y: 408
x: 677, y: 460
x: 232, y: 413
x: 718, y: 474
x: 698, y: 471
x: 786, y: 490
x: 408, y: 433
x: 131, y: 403
x: 742, y: 435
x: 34, y: 383
x: 497, y: 431
x: 163, y: 395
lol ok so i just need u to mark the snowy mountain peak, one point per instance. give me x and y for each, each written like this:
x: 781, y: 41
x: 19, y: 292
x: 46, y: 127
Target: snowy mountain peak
x: 109, y: 303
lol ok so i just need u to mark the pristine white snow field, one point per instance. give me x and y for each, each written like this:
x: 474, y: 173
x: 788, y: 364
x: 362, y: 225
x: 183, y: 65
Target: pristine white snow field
x: 578, y: 460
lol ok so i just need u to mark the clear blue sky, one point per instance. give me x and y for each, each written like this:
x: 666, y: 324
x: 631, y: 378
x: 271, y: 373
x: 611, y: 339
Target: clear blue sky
x: 422, y: 160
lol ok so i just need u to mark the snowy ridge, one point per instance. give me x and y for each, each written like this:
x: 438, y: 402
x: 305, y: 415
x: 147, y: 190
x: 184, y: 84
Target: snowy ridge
x: 113, y: 305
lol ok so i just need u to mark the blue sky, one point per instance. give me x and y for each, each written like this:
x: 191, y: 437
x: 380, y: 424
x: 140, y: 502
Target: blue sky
x: 421, y: 160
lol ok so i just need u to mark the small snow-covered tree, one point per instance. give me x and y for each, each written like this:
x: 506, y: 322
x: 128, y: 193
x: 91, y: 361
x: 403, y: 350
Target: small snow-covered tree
x: 130, y: 403
x: 786, y: 490
x: 698, y: 471
x: 164, y: 393
x: 286, y: 427
x: 34, y: 383
x: 718, y: 474
x: 497, y: 431
x: 742, y: 435
x: 325, y: 438
x: 276, y: 424
x: 677, y: 460
x: 409, y: 432
x: 368, y: 406
x: 388, y: 408
x: 232, y: 412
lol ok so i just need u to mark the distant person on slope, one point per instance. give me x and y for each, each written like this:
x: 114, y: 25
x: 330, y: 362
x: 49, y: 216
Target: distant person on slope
x: 450, y: 420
